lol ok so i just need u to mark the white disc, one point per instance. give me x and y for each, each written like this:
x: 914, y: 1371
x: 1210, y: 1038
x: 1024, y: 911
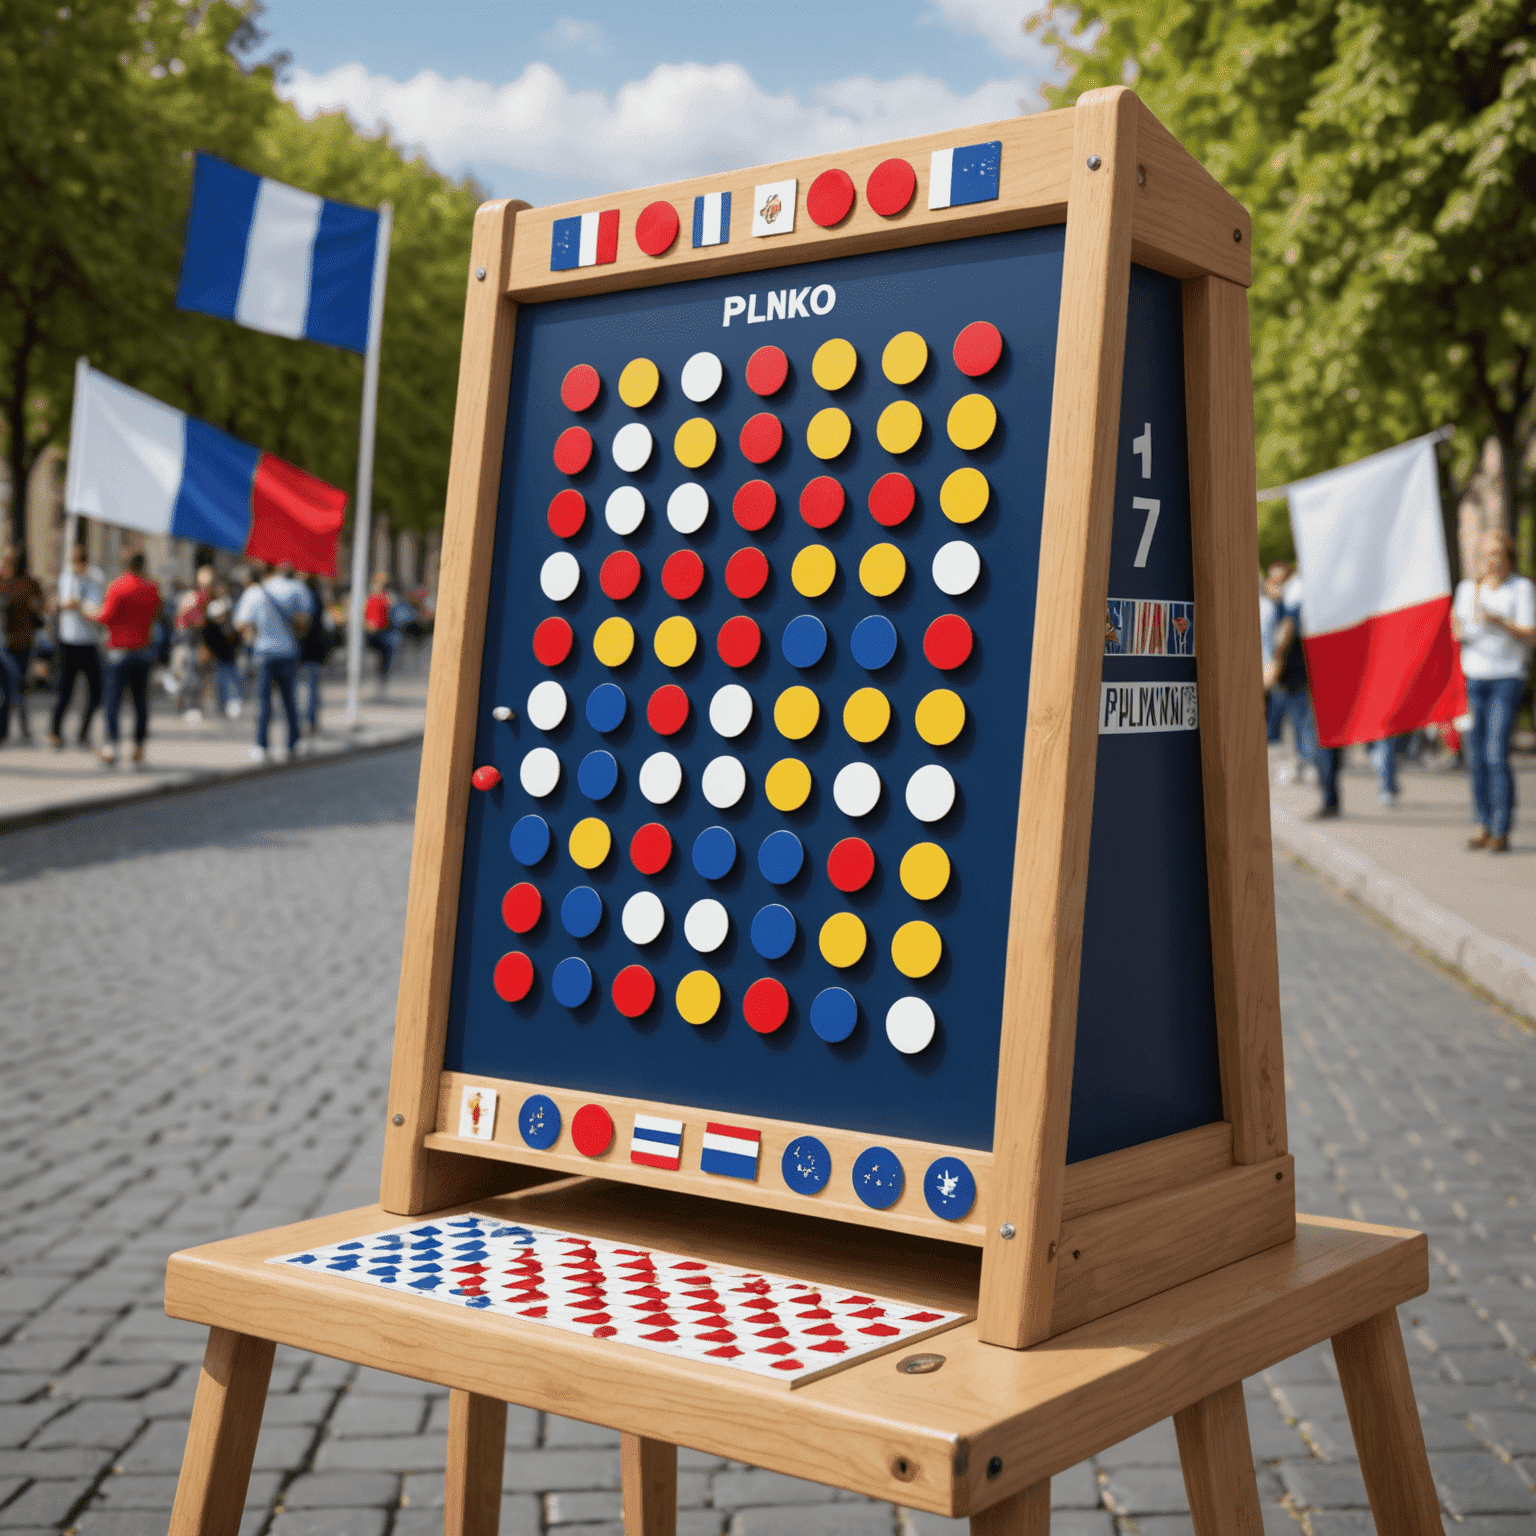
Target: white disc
x: 559, y: 576
x: 724, y: 782
x: 632, y: 447
x: 730, y: 711
x: 661, y: 776
x: 546, y: 704
x: 856, y: 789
x: 540, y: 772
x: 706, y: 925
x: 956, y: 567
x: 643, y: 917
x: 702, y: 374
x: 688, y: 506
x: 625, y: 509
x: 909, y: 1025
x: 930, y: 792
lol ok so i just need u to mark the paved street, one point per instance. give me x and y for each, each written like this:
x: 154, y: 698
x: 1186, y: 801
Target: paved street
x: 197, y: 1004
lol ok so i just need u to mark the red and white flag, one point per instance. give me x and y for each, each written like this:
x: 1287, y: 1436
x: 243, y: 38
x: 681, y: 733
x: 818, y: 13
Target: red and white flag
x: 1381, y: 656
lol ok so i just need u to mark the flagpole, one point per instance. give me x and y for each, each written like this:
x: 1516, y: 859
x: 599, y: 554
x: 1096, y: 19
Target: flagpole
x: 362, y: 520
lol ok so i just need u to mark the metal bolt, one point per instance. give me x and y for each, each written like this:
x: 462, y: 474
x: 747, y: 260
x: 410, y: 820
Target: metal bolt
x: 1141, y: 175
x: 399, y: 1120
x: 1007, y: 1231
x: 1094, y: 162
x: 1237, y: 235
x: 479, y: 274
x: 994, y: 1466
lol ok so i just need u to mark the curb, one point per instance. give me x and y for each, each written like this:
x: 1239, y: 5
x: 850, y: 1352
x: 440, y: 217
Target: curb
x: 1500, y: 969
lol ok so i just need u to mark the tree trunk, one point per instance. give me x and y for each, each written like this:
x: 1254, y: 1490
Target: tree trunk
x: 16, y: 434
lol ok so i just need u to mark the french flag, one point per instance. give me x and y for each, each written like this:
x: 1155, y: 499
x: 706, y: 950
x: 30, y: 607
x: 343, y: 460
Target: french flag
x: 731, y: 1150
x: 1376, y: 609
x: 141, y: 464
x: 712, y: 219
x: 656, y: 1143
x: 277, y: 259
x: 584, y: 240
x: 965, y: 174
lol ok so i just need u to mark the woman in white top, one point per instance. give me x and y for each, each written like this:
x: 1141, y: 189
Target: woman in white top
x: 1495, y: 621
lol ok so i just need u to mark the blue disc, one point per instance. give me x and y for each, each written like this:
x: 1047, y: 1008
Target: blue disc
x: 539, y: 1121
x: 805, y: 641
x: 773, y: 932
x: 597, y: 775
x: 806, y: 1165
x: 581, y: 911
x: 949, y: 1188
x: 834, y: 1013
x: 781, y: 856
x: 873, y: 642
x: 530, y: 840
x: 572, y: 982
x: 714, y: 851
x: 877, y: 1175
x: 605, y: 707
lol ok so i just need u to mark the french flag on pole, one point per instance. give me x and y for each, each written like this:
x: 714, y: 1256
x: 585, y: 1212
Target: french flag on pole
x: 274, y: 258
x: 584, y: 240
x: 966, y: 174
x: 140, y: 464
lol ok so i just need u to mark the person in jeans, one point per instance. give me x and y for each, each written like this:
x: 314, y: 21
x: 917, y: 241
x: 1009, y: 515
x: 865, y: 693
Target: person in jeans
x: 128, y: 613
x: 273, y: 614
x: 78, y: 654
x: 379, y: 625
x: 220, y: 640
x: 314, y: 647
x: 1495, y: 621
x: 1287, y: 675
x: 21, y: 608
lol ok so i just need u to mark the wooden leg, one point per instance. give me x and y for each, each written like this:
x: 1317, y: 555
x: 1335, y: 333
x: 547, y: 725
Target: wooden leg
x: 649, y: 1478
x: 221, y: 1440
x: 1218, y: 1465
x: 1389, y: 1440
x: 1027, y: 1513
x: 477, y: 1441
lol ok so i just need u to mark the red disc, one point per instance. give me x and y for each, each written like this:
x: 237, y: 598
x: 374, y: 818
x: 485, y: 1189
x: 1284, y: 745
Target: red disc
x: 890, y: 187
x: 891, y: 499
x: 739, y: 641
x: 753, y: 505
x: 634, y: 988
x: 746, y: 573
x: 830, y: 198
x: 948, y: 641
x: 682, y: 575
x: 766, y: 1005
x: 656, y: 228
x: 850, y: 864
x: 767, y: 369
x: 592, y: 1130
x: 668, y: 710
x: 579, y: 387
x: 573, y: 449
x: 821, y: 502
x: 977, y: 348
x: 513, y: 977
x: 552, y: 642
x: 620, y: 575
x: 486, y: 777
x: 762, y: 437
x: 650, y: 848
x: 567, y: 512
x: 522, y: 907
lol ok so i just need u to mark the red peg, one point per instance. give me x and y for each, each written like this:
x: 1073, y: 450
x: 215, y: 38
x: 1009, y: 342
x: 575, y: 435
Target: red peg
x: 486, y: 777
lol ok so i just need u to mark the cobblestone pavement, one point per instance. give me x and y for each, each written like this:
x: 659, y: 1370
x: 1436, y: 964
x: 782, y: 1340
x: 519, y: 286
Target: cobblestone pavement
x: 198, y: 995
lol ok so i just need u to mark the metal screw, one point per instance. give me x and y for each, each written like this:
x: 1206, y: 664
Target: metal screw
x: 1094, y: 162
x: 479, y: 274
x: 1237, y: 235
x: 1007, y: 1231
x: 399, y: 1120
x: 994, y: 1466
x: 1141, y: 175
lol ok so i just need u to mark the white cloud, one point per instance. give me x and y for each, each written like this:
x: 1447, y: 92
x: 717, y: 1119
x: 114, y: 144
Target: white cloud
x: 574, y: 32
x: 999, y: 23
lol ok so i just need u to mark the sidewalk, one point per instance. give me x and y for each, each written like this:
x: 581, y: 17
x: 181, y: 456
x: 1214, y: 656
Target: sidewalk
x: 1410, y: 863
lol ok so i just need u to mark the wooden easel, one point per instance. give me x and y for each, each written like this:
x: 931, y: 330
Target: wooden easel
x: 1107, y: 1294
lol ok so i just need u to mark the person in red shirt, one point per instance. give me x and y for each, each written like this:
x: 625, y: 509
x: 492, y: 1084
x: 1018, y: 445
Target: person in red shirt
x: 379, y: 622
x: 128, y: 612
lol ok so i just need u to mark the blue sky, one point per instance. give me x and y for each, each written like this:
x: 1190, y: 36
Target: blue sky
x: 555, y: 101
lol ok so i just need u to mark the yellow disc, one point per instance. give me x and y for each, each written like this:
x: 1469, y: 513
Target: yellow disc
x: 882, y: 569
x: 813, y: 570
x: 866, y: 714
x: 940, y: 716
x: 796, y: 712
x: 590, y: 842
x: 695, y: 441
x: 924, y: 871
x: 905, y: 356
x: 834, y: 363
x: 899, y: 427
x: 788, y: 784
x: 828, y: 432
x: 639, y: 382
x: 698, y: 997
x: 972, y: 420
x: 916, y: 948
x: 842, y: 939
x: 675, y: 641
x: 964, y: 495
x: 613, y: 642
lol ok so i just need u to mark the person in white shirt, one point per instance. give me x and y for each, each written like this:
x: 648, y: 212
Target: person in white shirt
x: 1495, y: 621
x: 273, y: 615
x: 79, y: 656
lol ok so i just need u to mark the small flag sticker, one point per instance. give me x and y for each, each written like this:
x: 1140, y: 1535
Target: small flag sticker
x: 656, y: 1143
x: 477, y: 1113
x: 773, y: 208
x: 712, y: 219
x: 584, y: 240
x: 731, y: 1150
x: 966, y: 174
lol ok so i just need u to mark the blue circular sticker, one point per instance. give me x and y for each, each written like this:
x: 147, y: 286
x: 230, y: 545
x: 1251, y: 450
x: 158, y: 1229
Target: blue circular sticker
x: 949, y: 1188
x: 780, y: 857
x: 773, y: 932
x: 877, y: 1177
x: 807, y: 1165
x: 539, y: 1121
x: 529, y: 840
x: 873, y: 642
x: 572, y: 982
x: 834, y: 1014
x: 805, y: 640
x: 605, y: 707
x: 581, y: 911
x: 598, y: 775
x: 714, y: 851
